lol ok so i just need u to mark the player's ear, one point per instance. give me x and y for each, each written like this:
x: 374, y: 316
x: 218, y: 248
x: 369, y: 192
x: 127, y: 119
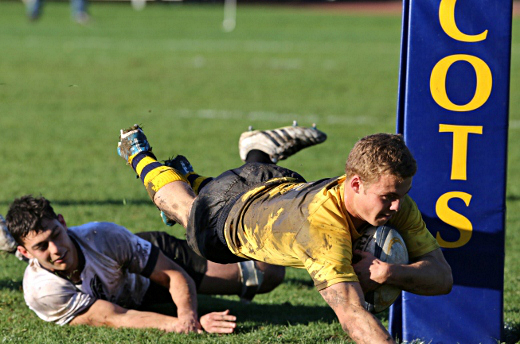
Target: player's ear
x: 24, y: 252
x: 355, y: 183
x: 62, y: 220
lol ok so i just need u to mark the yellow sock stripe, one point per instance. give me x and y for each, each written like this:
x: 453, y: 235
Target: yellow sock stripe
x: 160, y: 176
x: 195, y: 185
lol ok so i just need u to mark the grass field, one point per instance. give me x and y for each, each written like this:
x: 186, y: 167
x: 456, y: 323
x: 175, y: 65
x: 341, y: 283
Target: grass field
x: 66, y: 90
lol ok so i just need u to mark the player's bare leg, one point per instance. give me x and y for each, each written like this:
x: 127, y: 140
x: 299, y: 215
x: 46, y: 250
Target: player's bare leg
x: 175, y: 200
x: 170, y: 189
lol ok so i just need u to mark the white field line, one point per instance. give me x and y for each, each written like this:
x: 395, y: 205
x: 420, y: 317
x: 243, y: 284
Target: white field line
x: 211, y: 46
x: 303, y: 119
x: 514, y: 124
x: 257, y: 116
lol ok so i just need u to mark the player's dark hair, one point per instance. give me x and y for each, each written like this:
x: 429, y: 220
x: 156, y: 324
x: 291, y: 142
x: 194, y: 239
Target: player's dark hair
x: 25, y: 216
x: 377, y: 154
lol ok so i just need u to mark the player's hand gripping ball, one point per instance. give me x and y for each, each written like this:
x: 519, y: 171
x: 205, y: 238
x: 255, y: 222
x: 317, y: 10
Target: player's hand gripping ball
x: 387, y: 245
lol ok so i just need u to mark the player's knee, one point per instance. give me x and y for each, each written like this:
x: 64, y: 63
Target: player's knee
x: 273, y: 277
x: 258, y: 278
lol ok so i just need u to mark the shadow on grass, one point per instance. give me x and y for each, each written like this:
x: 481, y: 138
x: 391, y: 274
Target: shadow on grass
x: 255, y: 315
x: 92, y: 202
x: 10, y: 284
x: 511, y: 334
x: 512, y: 197
x: 260, y: 314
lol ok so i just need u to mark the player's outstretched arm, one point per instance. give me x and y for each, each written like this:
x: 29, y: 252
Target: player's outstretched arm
x: 182, y: 289
x: 346, y: 299
x: 104, y: 313
x: 429, y: 274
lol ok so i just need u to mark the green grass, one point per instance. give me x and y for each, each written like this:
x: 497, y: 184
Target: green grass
x: 66, y: 90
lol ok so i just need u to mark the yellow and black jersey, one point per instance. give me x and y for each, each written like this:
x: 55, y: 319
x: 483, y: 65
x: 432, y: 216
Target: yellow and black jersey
x: 306, y: 225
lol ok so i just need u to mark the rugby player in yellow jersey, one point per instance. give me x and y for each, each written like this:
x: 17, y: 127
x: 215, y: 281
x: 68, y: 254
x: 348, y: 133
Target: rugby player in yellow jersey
x: 264, y: 212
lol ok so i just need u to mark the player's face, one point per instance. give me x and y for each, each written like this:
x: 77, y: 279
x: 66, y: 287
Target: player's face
x: 52, y: 247
x: 377, y: 202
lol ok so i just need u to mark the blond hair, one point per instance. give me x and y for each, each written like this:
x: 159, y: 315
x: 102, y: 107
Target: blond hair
x: 380, y: 154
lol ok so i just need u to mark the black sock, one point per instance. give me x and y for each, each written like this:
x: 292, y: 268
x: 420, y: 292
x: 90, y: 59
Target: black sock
x: 258, y: 156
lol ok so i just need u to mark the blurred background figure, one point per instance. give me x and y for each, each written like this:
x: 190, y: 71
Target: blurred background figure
x: 138, y: 5
x: 78, y: 10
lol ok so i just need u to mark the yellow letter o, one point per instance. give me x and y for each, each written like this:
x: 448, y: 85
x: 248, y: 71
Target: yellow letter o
x: 438, y: 83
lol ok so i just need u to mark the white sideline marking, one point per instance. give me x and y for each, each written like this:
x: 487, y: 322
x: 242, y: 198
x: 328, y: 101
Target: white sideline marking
x: 306, y: 119
x: 256, y: 116
x: 195, y: 45
x: 514, y: 124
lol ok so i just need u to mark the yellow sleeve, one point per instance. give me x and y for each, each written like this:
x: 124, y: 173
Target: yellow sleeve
x: 326, y: 248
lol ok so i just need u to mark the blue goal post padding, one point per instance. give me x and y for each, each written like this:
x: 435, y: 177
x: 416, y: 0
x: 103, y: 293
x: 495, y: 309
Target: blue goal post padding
x: 453, y: 111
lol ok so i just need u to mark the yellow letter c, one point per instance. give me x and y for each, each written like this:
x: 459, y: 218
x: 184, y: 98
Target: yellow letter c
x: 448, y: 24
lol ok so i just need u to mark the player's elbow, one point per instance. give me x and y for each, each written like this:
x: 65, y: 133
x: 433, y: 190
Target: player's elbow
x: 448, y: 284
x: 445, y: 281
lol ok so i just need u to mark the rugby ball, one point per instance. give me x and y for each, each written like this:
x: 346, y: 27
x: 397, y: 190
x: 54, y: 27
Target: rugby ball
x: 387, y: 245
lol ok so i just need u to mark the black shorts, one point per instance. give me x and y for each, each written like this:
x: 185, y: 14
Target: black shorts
x: 178, y: 251
x: 205, y: 232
